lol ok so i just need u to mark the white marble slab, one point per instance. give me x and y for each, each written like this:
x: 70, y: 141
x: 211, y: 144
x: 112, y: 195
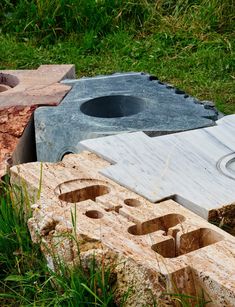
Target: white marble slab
x: 195, y: 167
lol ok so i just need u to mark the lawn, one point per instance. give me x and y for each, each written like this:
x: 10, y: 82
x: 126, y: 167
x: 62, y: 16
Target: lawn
x: 187, y: 43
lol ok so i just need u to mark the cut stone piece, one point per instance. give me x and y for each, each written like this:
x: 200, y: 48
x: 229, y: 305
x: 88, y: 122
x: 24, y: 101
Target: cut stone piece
x: 153, y: 248
x: 21, y: 91
x: 194, y: 167
x: 35, y: 87
x: 107, y: 105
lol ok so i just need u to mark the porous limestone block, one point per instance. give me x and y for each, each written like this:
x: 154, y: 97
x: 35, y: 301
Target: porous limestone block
x: 154, y: 248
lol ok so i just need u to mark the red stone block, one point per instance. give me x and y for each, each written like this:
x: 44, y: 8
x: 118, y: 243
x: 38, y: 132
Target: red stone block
x: 21, y: 92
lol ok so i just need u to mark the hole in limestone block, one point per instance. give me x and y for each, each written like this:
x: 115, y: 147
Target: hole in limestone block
x: 7, y: 81
x: 161, y: 223
x: 165, y: 248
x: 131, y: 202
x: 188, y: 242
x: 113, y: 106
x: 89, y: 192
x: 94, y: 214
x: 197, y: 239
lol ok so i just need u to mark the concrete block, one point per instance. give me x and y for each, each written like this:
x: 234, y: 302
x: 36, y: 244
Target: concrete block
x: 21, y: 92
x: 155, y: 248
x: 107, y: 105
x: 194, y: 167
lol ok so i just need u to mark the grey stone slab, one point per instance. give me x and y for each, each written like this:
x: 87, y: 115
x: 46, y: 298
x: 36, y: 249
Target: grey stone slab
x: 107, y: 105
x: 197, y: 168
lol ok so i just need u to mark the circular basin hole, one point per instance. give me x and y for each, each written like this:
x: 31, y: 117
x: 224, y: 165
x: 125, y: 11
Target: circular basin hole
x: 7, y: 81
x: 94, y: 214
x: 131, y: 202
x: 113, y: 106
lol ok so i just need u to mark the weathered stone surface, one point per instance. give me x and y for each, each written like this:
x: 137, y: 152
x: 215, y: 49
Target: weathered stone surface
x: 21, y: 91
x: 155, y: 247
x: 106, y: 105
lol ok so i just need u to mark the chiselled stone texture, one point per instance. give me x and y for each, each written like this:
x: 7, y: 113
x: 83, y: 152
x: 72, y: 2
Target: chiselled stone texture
x: 21, y: 91
x: 156, y: 248
x: 106, y: 105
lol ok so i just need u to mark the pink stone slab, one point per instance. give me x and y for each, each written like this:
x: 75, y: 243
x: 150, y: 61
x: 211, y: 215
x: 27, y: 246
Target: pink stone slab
x: 21, y: 92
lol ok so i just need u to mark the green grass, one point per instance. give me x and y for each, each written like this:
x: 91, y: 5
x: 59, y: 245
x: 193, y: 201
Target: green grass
x: 187, y: 43
x: 25, y: 279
